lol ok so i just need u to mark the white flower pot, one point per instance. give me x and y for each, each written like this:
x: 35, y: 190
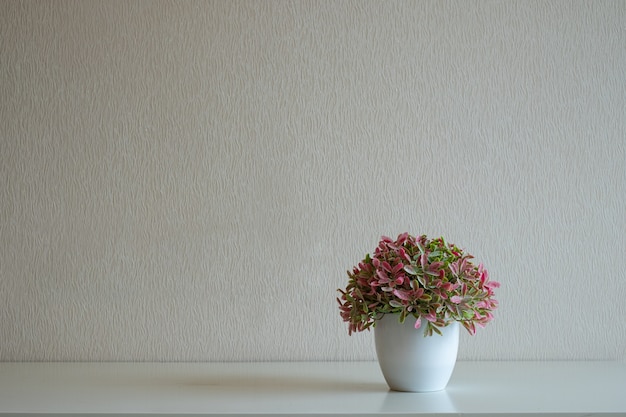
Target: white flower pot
x: 411, y: 362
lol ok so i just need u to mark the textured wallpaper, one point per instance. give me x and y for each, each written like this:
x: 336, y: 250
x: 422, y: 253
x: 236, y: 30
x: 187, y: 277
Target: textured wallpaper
x: 190, y: 180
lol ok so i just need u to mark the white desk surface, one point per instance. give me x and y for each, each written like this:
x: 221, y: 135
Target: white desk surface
x: 307, y: 388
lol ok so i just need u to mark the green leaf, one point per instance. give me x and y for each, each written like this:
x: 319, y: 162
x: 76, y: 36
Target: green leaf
x: 410, y: 269
x: 420, y: 247
x: 420, y: 279
x: 434, y: 254
x: 402, y: 316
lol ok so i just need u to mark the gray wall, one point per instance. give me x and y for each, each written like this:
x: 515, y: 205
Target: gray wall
x: 191, y: 180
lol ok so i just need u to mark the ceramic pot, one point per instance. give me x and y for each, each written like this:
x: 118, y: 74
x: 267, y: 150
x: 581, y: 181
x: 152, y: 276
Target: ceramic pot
x: 412, y: 362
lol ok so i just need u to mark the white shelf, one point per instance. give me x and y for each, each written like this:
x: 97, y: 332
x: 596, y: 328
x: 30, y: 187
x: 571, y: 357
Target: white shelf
x: 307, y: 388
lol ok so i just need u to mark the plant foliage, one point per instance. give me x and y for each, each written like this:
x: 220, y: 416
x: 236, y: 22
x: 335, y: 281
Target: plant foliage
x: 430, y: 280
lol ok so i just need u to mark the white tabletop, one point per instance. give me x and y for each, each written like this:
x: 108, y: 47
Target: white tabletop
x: 307, y: 388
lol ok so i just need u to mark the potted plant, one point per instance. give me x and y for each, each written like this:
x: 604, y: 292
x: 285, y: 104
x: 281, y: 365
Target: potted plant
x: 415, y: 292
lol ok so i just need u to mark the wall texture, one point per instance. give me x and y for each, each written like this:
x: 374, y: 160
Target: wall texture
x: 191, y: 180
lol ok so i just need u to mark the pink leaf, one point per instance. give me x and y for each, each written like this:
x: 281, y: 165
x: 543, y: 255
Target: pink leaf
x: 404, y: 255
x: 382, y: 276
x: 397, y: 268
x: 401, y: 294
x: 418, y: 323
x: 492, y: 284
x: 431, y: 316
x: 423, y: 260
x: 484, y: 276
